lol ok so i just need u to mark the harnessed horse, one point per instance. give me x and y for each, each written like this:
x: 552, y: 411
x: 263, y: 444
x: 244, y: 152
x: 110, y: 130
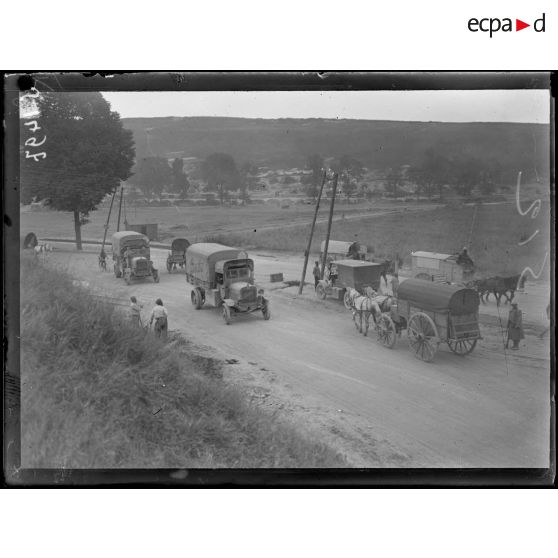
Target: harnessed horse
x: 363, y: 306
x: 42, y: 250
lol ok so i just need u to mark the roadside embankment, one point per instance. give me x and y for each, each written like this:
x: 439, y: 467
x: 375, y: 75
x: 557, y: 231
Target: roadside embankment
x: 98, y: 392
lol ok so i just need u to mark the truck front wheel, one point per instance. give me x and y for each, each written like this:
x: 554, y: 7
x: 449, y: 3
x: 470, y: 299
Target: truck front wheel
x: 196, y: 298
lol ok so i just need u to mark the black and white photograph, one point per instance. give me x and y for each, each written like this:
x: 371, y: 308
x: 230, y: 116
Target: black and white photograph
x: 315, y: 272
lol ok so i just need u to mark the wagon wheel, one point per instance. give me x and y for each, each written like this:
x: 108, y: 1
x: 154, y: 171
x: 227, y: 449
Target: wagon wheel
x: 196, y: 298
x: 347, y: 300
x: 226, y: 314
x: 387, y: 334
x: 423, y: 336
x: 462, y: 347
x: 169, y: 266
x: 320, y: 291
x: 423, y: 276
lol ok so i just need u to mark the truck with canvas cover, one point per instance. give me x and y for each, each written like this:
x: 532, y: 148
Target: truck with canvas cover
x: 132, y: 256
x: 223, y: 277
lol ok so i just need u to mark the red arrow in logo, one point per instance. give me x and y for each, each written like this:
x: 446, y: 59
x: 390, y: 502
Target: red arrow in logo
x: 519, y: 25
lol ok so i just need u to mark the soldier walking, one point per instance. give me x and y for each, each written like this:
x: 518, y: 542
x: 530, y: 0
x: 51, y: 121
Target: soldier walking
x: 160, y: 315
x: 316, y: 273
x: 515, y: 326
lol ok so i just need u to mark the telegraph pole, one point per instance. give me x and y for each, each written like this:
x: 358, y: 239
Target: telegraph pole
x: 108, y: 219
x: 324, y: 257
x: 307, y: 253
x: 120, y: 208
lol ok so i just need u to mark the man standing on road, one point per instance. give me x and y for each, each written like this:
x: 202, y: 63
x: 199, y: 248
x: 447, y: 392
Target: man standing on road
x: 515, y: 326
x: 159, y: 314
x: 316, y: 273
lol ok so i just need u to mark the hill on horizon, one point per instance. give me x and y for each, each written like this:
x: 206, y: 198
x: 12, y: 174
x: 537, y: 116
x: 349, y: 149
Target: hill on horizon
x: 378, y: 144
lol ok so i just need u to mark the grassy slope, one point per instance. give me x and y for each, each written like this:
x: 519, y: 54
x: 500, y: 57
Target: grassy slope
x: 97, y: 392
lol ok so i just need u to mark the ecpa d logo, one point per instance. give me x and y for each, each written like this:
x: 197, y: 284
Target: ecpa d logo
x: 492, y: 25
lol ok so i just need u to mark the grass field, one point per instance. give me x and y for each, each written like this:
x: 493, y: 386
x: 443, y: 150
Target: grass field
x: 98, y: 392
x: 495, y: 232
x: 492, y: 231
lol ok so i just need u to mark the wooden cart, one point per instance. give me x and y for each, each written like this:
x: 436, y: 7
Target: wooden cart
x: 355, y: 274
x: 177, y: 254
x: 432, y: 313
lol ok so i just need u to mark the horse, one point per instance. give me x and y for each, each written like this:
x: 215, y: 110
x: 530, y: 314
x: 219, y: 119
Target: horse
x: 498, y: 286
x: 42, y: 250
x: 363, y: 306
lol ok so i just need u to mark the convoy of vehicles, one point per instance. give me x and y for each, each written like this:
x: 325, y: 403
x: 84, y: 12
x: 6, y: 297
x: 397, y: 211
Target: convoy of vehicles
x: 223, y: 277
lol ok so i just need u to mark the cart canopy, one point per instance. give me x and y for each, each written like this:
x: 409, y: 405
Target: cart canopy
x: 437, y: 297
x: 128, y: 238
x: 358, y: 274
x: 339, y: 247
x: 179, y: 245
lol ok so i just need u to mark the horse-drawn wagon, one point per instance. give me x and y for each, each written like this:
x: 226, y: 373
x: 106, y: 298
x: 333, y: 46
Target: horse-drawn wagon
x: 351, y: 274
x: 432, y: 313
x: 440, y: 268
x: 177, y: 254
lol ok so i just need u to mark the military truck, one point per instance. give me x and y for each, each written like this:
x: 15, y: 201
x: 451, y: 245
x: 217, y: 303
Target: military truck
x: 223, y: 277
x: 132, y: 257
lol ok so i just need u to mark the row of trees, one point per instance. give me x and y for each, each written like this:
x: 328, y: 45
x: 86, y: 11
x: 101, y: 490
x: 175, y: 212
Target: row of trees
x: 154, y: 175
x: 219, y: 171
x: 435, y: 172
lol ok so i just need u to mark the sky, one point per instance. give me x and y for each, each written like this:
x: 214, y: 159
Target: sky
x: 443, y: 106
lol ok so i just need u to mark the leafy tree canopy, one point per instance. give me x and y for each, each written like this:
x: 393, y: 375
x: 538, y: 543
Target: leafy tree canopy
x: 220, y: 172
x: 152, y: 175
x: 88, y: 153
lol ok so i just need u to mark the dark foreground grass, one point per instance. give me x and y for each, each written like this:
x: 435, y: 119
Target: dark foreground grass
x: 99, y: 393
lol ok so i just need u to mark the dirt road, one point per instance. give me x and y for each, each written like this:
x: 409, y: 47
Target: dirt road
x: 381, y: 407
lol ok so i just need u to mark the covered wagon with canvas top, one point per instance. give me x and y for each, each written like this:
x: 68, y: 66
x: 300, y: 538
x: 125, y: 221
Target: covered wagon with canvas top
x: 432, y: 313
x: 440, y: 268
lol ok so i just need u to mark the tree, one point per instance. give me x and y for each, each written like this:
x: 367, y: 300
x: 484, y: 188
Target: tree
x: 394, y: 179
x: 88, y: 153
x: 431, y: 174
x: 315, y: 163
x: 350, y: 170
x: 220, y: 173
x: 180, y: 182
x: 152, y: 175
